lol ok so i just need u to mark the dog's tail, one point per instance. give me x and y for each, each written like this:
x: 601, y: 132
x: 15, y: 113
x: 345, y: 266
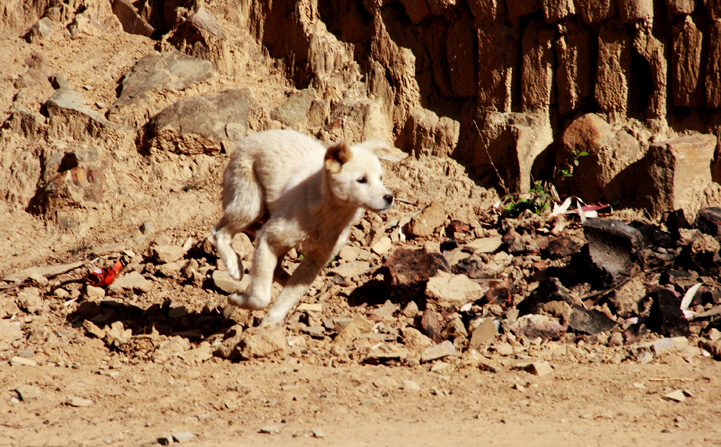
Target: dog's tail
x: 243, y: 196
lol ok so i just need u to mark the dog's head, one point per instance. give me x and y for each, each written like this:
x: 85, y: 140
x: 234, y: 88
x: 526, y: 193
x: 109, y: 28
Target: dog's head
x: 355, y: 176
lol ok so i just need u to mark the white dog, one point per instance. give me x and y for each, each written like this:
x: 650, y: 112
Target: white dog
x: 297, y: 194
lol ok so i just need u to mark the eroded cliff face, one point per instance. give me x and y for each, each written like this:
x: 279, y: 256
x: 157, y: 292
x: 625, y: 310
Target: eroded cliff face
x: 567, y: 90
x: 496, y: 83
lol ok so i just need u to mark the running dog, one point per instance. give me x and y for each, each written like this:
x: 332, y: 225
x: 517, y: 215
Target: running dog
x: 293, y: 192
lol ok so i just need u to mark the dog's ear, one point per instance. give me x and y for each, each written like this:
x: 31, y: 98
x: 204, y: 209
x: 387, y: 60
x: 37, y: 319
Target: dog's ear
x: 336, y: 156
x: 383, y: 150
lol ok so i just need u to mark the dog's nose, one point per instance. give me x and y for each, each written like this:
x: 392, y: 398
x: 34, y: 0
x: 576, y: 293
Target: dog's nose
x: 388, y: 198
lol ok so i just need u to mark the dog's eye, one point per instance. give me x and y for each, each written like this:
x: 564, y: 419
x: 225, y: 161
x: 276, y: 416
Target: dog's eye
x: 362, y: 180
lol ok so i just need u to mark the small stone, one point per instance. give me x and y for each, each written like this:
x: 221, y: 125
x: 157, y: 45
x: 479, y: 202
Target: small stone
x: 311, y: 307
x: 446, y: 289
x: 484, y: 333
x: 385, y: 382
x: 383, y: 246
x: 183, y: 436
x: 94, y: 293
x: 386, y: 352
x: 269, y: 429
x: 92, y: 329
x: 318, y: 433
x: 28, y: 392
x: 132, y: 281
x: 228, y: 284
x: 539, y: 369
x: 117, y: 335
x: 423, y: 224
x: 9, y: 332
x: 167, y: 253
x: 165, y: 440
x: 440, y: 366
x: 409, y: 385
x: 147, y: 228
x: 644, y: 357
x: 676, y: 396
x: 30, y: 300
x: 503, y: 349
x: 438, y: 351
x: 314, y: 331
x: 486, y: 244
x: 21, y: 361
x: 351, y: 269
x: 78, y: 402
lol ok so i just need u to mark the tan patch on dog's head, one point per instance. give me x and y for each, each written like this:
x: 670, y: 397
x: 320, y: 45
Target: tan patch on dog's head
x: 336, y: 156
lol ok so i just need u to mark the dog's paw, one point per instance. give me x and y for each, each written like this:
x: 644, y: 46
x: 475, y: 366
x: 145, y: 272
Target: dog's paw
x: 246, y: 301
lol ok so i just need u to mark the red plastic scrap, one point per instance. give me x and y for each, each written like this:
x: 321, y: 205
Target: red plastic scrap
x: 103, y: 276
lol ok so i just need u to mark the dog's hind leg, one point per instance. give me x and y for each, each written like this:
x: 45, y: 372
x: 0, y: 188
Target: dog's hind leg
x: 243, y: 205
x: 294, y: 290
x: 265, y: 259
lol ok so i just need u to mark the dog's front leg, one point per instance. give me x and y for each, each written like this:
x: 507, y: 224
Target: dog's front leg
x: 294, y: 290
x: 265, y: 258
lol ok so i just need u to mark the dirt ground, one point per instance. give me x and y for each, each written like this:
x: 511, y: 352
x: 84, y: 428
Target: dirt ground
x: 60, y: 385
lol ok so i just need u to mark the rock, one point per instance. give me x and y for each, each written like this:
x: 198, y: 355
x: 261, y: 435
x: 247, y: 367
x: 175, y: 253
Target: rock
x: 410, y: 386
x: 627, y: 297
x: 78, y: 402
x: 24, y: 123
x: 427, y: 134
x: 416, y: 11
x: 94, y: 293
x: 438, y: 351
x: 605, y: 173
x: 317, y: 433
x: 80, y: 187
x: 167, y: 253
x: 708, y: 221
x: 665, y: 345
x: 93, y: 330
x: 197, y: 355
x: 440, y: 366
x: 573, y: 75
x: 9, y: 332
x: 612, y: 75
x: 202, y: 35
x: 462, y: 60
x: 46, y: 271
x: 263, y: 343
x: 117, y: 336
x: 485, y: 333
x: 269, y: 429
x: 183, y: 436
x: 171, y: 348
x: 445, y: 290
x: 539, y: 369
x: 295, y: 109
x: 351, y: 269
x: 666, y: 316
x: 201, y: 124
x: 550, y: 290
x: 534, y: 326
x: 415, y: 341
x: 382, y: 247
x: 675, y: 395
x: 561, y: 247
x: 406, y: 272
x: 30, y: 300
x: 676, y: 173
x: 589, y: 321
x: 28, y: 393
x: 385, y: 352
x: 130, y: 282
x: 155, y: 72
x: 615, y: 248
x: 70, y: 117
x: 431, y: 325
x: 486, y: 244
x: 353, y: 330
x: 702, y: 255
x: 314, y: 331
x: 129, y: 18
x: 423, y: 224
x: 22, y: 361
